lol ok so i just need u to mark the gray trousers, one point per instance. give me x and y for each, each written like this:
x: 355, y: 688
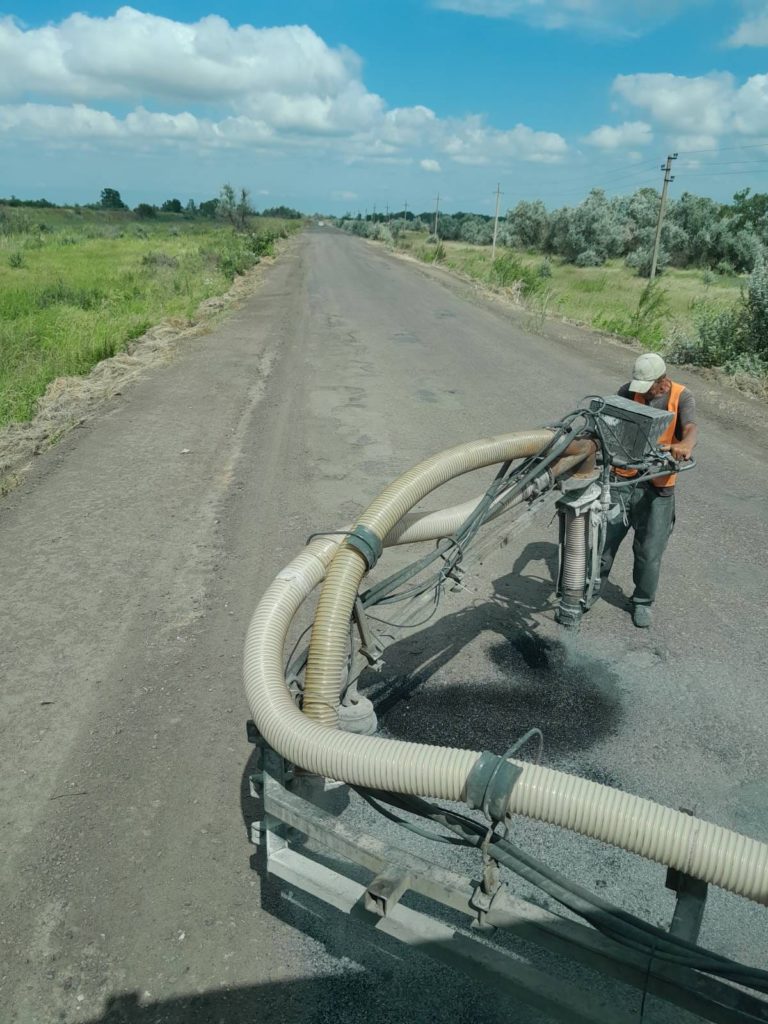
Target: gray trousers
x: 652, y: 516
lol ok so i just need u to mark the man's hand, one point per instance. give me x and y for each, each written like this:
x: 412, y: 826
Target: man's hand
x: 680, y: 451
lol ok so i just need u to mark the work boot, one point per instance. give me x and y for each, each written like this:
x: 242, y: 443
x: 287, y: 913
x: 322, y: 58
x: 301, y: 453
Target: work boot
x: 642, y: 616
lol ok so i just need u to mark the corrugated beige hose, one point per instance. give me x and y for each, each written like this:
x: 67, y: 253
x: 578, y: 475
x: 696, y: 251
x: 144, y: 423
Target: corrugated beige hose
x: 698, y: 848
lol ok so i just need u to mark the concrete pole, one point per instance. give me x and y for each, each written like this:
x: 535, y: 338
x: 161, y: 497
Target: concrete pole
x: 667, y: 167
x: 437, y: 209
x: 496, y: 222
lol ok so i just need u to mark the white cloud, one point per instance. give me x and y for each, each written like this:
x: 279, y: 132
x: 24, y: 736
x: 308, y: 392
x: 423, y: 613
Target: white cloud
x: 630, y: 133
x: 430, y: 165
x: 132, y: 52
x: 602, y: 16
x: 705, y: 107
x: 207, y: 84
x: 753, y: 30
x: 701, y: 105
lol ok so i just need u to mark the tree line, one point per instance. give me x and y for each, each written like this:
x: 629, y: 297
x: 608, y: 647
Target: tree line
x: 230, y: 205
x: 697, y: 231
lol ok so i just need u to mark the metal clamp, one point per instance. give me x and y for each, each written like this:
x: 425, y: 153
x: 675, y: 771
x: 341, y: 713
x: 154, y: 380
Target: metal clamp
x: 490, y: 784
x: 481, y: 901
x: 367, y: 543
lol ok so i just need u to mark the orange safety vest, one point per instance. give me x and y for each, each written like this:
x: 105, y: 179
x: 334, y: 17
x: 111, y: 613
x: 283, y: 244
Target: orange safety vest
x: 666, y: 438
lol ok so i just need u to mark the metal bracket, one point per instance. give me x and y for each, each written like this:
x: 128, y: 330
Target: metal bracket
x: 386, y: 890
x: 318, y: 855
x: 690, y: 903
x: 580, y: 500
x: 456, y: 574
x: 482, y: 901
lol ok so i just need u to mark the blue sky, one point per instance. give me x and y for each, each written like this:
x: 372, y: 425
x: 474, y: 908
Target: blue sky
x: 337, y: 105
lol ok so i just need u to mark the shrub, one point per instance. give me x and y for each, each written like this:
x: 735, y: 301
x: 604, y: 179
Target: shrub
x: 747, y: 365
x: 735, y: 337
x: 16, y: 259
x: 544, y: 269
x: 261, y: 243
x: 646, y: 323
x: 381, y: 233
x: 641, y: 260
x: 507, y: 271
x: 434, y: 253
x: 651, y: 313
x: 234, y: 262
x: 589, y: 258
x: 159, y: 259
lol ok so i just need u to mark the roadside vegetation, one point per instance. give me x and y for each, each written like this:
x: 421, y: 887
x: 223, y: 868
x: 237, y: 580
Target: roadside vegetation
x: 78, y: 285
x: 591, y: 264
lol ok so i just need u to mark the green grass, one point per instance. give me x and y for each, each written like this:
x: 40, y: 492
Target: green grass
x: 606, y: 298
x: 76, y: 287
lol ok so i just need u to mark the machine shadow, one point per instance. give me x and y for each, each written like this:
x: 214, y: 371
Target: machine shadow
x: 529, y: 679
x: 524, y: 679
x: 414, y: 990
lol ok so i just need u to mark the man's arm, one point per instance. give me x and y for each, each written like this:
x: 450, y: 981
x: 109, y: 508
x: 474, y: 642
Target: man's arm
x: 682, y: 450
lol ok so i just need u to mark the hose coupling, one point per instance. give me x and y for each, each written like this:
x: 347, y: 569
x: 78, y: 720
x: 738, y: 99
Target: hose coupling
x: 367, y: 543
x: 490, y: 784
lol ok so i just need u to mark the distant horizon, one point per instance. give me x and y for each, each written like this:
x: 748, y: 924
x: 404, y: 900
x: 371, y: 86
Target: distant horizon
x: 259, y: 208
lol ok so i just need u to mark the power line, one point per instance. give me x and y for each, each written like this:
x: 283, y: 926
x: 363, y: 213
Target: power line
x: 724, y: 149
x: 704, y: 172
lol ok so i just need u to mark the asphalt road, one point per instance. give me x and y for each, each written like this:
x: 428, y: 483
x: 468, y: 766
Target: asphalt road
x: 131, y: 560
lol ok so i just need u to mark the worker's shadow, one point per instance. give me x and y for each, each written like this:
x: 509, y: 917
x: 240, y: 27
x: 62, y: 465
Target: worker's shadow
x: 493, y: 694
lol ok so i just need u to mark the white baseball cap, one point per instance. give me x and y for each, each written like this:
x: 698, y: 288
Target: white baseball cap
x: 648, y: 368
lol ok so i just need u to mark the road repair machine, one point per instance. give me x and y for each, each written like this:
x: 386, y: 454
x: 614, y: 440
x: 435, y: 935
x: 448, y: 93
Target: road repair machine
x: 319, y: 753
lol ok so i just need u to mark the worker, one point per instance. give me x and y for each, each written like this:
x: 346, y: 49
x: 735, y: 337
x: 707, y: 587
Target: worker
x: 650, y: 506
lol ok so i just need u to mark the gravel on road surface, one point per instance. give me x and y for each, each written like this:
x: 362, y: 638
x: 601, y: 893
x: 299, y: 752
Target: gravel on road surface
x: 132, y: 558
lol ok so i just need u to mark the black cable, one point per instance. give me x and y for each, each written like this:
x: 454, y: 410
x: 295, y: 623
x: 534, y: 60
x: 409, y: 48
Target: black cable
x: 412, y: 625
x: 610, y: 920
x: 523, y: 475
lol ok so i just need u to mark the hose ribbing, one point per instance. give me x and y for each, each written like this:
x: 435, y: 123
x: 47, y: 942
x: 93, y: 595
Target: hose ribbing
x: 328, y: 644
x: 698, y: 848
x: 706, y: 851
x: 575, y: 561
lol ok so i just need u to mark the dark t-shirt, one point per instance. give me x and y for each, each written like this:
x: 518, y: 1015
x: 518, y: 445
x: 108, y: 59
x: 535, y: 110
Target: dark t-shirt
x: 686, y: 413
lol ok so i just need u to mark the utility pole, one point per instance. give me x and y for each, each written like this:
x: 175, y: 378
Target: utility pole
x: 387, y: 213
x: 496, y: 222
x: 668, y: 178
x: 374, y: 213
x: 437, y: 211
x: 405, y: 212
